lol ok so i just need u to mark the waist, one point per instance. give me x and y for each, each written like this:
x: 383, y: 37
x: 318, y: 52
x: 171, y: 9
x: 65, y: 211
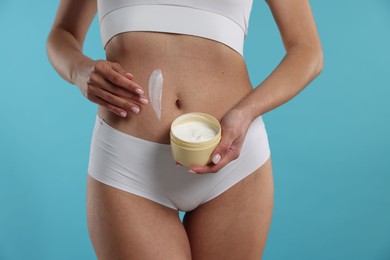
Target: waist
x: 199, y: 75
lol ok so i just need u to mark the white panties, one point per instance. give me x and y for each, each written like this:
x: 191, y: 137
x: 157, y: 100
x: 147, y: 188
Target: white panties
x: 147, y: 169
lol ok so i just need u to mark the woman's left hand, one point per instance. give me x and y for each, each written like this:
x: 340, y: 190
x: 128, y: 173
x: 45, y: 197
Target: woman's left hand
x: 234, y: 125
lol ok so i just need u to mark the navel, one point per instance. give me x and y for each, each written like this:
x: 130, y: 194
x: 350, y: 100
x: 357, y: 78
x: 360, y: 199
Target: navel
x: 178, y: 103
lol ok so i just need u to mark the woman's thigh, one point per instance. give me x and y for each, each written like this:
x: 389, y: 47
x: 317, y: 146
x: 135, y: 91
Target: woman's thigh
x: 235, y: 224
x: 125, y: 226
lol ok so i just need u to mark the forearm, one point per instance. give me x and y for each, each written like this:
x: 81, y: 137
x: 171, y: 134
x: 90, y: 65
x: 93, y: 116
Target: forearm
x: 298, y: 68
x: 65, y: 54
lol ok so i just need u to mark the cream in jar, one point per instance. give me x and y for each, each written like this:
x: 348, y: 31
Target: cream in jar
x: 194, y: 137
x: 195, y: 131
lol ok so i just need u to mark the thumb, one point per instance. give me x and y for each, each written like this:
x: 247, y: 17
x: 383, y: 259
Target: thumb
x: 128, y: 75
x: 222, y: 149
x: 118, y: 68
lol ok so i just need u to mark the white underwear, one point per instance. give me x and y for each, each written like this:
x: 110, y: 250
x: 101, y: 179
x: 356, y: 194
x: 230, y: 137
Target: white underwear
x: 147, y: 169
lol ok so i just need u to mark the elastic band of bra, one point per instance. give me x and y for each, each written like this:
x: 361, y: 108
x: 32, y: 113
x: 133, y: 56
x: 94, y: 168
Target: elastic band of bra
x: 172, y: 19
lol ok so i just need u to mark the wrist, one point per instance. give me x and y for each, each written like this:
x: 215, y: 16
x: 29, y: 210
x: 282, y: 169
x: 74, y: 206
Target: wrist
x: 246, y: 109
x: 81, y: 70
x: 243, y: 113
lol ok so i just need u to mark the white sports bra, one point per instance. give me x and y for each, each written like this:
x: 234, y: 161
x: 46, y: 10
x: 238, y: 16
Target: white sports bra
x: 225, y: 21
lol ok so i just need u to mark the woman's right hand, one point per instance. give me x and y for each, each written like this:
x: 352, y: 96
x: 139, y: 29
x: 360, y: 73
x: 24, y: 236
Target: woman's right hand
x: 109, y: 85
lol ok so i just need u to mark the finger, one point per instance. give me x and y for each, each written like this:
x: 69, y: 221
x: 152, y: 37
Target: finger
x: 224, y: 146
x: 218, y: 155
x: 179, y: 164
x: 231, y: 155
x: 116, y: 110
x: 115, y: 100
x: 118, y: 79
x: 225, y: 152
x: 117, y: 67
x: 128, y: 75
x: 98, y: 80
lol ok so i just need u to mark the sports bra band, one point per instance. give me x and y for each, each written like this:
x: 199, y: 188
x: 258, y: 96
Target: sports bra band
x: 118, y: 16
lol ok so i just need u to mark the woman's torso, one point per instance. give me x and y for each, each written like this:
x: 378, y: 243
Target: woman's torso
x: 204, y: 75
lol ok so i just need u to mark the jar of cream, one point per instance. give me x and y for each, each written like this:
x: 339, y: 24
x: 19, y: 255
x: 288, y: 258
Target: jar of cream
x: 194, y: 137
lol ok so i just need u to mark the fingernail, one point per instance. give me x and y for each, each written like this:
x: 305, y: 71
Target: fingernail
x: 139, y: 91
x: 216, y: 158
x: 130, y: 75
x: 135, y: 109
x: 192, y: 171
x: 144, y: 101
x: 123, y: 114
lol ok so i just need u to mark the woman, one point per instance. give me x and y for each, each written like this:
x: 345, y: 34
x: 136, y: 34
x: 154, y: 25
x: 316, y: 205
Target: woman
x: 133, y: 191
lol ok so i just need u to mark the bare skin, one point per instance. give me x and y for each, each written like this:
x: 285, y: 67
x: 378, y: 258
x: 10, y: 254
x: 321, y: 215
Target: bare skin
x: 205, y: 76
x: 232, y: 226
x: 194, y: 70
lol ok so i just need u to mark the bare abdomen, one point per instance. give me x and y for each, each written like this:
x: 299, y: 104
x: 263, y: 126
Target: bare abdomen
x: 200, y: 75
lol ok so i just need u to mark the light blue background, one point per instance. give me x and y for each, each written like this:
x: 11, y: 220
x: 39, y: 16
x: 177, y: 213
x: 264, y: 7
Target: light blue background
x: 330, y: 144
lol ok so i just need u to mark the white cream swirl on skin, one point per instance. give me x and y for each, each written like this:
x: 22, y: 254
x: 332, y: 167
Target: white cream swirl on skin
x: 195, y: 131
x: 155, y: 91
